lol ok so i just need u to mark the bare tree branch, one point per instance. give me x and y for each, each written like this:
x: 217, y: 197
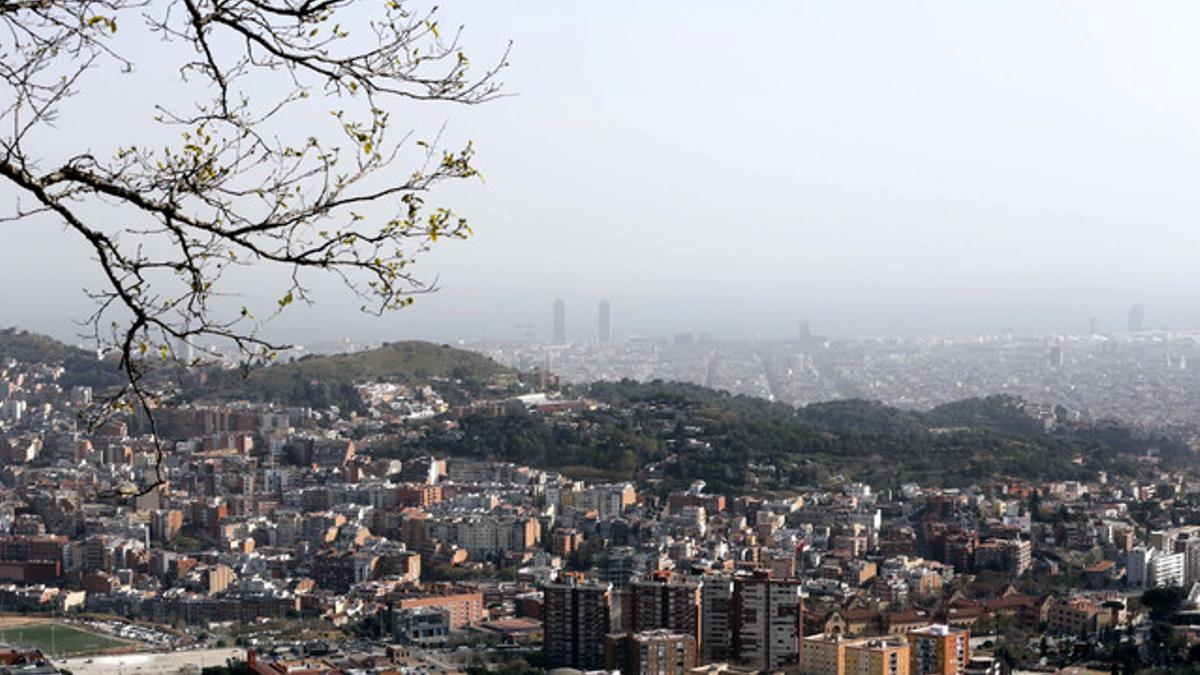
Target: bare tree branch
x: 237, y: 188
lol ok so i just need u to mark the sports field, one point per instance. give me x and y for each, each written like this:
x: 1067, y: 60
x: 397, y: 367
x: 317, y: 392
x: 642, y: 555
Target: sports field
x: 54, y: 638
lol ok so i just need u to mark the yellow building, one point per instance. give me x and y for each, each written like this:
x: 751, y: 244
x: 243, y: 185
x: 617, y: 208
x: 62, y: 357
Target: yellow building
x: 878, y: 656
x: 822, y: 654
x: 833, y: 655
x: 940, y: 650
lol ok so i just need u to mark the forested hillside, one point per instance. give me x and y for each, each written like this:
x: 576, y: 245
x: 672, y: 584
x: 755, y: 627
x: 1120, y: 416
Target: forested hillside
x: 81, y: 366
x: 320, y: 381
x: 681, y: 432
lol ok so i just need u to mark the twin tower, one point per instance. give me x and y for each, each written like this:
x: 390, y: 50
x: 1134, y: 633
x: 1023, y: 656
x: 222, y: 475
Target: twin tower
x: 603, y: 322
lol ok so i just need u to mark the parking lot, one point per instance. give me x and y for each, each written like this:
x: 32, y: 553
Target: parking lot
x: 150, y: 663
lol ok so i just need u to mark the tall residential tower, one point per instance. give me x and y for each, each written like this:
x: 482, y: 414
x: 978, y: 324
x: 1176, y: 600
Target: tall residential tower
x: 560, y: 322
x: 604, y: 328
x: 576, y: 617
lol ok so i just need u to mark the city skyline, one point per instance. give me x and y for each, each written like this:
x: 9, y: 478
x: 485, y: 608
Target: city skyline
x: 560, y: 329
x: 575, y: 327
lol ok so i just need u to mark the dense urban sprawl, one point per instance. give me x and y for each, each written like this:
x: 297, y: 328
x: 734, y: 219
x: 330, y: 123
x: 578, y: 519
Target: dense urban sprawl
x: 320, y: 541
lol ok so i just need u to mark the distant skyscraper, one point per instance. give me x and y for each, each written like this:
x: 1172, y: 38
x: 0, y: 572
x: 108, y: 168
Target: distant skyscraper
x: 560, y: 321
x: 1056, y: 356
x: 1093, y: 324
x: 1137, y: 318
x: 605, y: 325
x: 805, y: 332
x: 185, y: 352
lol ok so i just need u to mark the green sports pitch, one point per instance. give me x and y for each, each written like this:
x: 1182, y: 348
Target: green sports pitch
x: 57, y: 639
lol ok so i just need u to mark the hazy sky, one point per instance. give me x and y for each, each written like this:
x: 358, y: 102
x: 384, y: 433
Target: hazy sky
x: 876, y: 167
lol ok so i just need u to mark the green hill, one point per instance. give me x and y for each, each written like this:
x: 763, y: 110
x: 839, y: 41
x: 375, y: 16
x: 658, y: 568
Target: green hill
x: 861, y: 416
x: 681, y: 432
x: 328, y: 380
x: 1001, y: 414
x: 82, y: 367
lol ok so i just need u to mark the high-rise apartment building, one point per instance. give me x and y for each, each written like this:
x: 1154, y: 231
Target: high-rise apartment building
x: 1189, y: 545
x: 1167, y: 569
x: 666, y: 601
x: 768, y: 615
x: 1137, y: 566
x: 1056, y: 356
x: 604, y: 322
x: 939, y: 650
x: 560, y: 321
x: 716, y: 626
x: 1164, y: 540
x: 576, y: 617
